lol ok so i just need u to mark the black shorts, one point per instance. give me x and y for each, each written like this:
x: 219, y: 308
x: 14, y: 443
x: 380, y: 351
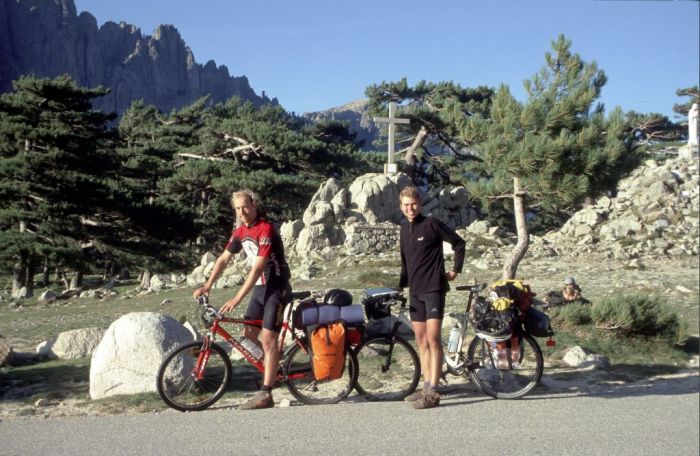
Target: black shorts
x: 267, y: 304
x: 427, y: 306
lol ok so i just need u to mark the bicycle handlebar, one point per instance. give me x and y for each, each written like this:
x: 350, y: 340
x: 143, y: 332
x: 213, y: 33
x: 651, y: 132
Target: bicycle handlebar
x: 472, y: 288
x: 204, y: 302
x: 300, y: 294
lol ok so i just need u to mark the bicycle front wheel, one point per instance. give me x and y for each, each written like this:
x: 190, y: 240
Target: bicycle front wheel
x: 194, y: 376
x: 303, y: 386
x: 387, y: 370
x: 511, y: 383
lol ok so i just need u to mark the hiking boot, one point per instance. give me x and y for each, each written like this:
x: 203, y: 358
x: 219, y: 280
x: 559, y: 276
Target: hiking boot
x: 414, y: 396
x: 261, y: 400
x: 428, y: 399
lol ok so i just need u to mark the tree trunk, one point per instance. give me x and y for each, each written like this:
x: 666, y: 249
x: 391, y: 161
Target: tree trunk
x: 19, y: 273
x: 510, y: 267
x: 29, y: 279
x: 145, y: 280
x: 18, y: 276
x: 410, y: 157
x: 61, y: 277
x: 77, y: 280
x: 46, y: 279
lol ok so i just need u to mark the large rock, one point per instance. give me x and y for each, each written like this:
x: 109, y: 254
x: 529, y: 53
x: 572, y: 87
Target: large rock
x: 582, y: 358
x: 75, y: 344
x: 127, y: 358
x: 48, y: 295
x: 375, y: 197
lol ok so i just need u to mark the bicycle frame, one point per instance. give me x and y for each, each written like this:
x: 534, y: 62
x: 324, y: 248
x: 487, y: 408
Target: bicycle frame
x: 215, y: 329
x: 455, y: 361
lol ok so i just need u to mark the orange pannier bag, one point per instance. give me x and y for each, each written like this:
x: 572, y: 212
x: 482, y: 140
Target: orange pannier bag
x: 328, y: 345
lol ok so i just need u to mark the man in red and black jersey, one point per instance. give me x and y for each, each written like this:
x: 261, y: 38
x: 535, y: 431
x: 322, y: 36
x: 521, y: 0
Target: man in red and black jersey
x: 423, y: 271
x: 268, y: 280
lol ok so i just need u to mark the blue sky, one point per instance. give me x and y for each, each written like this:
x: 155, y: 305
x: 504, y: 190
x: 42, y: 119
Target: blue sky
x: 317, y: 54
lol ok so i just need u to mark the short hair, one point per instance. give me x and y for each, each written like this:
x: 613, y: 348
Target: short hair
x: 246, y: 193
x: 410, y: 192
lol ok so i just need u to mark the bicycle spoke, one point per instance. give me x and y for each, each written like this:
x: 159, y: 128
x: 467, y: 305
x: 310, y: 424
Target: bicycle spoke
x: 178, y: 383
x: 510, y: 381
x: 387, y: 371
x: 311, y: 391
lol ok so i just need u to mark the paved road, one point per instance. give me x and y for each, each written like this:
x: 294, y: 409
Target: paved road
x: 659, y: 418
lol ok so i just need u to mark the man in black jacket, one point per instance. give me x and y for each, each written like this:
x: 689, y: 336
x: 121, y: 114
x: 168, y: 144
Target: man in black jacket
x: 423, y: 271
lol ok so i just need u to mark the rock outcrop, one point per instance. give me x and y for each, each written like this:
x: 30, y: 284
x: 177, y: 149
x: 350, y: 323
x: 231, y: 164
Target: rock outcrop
x: 365, y: 217
x: 48, y: 38
x: 655, y: 214
x: 356, y: 114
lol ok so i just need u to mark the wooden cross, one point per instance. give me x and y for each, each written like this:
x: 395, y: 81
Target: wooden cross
x: 390, y: 167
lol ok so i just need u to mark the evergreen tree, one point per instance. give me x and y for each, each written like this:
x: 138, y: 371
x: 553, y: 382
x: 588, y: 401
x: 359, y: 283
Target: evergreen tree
x: 265, y: 149
x: 432, y: 137
x: 681, y: 109
x: 552, y: 152
x: 67, y: 199
x: 55, y: 174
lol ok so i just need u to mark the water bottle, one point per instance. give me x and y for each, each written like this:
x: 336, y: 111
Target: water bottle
x: 453, y: 341
x: 252, y: 347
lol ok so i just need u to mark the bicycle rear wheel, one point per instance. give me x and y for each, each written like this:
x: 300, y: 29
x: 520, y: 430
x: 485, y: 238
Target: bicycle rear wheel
x: 387, y: 371
x: 194, y: 376
x: 511, y: 383
x: 303, y: 386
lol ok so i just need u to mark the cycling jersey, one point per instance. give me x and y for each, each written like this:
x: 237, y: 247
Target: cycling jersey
x: 261, y: 238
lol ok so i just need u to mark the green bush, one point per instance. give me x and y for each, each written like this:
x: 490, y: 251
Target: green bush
x: 574, y: 314
x: 638, y: 315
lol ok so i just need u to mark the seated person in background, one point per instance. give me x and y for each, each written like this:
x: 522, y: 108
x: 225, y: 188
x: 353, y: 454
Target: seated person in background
x: 570, y: 293
x: 571, y: 290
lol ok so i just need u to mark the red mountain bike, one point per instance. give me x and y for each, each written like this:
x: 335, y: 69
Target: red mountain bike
x: 196, y: 375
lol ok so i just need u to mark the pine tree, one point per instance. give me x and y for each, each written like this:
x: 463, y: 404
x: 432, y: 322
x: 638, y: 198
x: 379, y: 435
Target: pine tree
x: 552, y: 152
x: 432, y: 137
x: 54, y: 173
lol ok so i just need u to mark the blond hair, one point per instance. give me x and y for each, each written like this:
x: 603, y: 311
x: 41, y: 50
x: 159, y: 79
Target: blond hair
x: 410, y: 192
x: 245, y: 193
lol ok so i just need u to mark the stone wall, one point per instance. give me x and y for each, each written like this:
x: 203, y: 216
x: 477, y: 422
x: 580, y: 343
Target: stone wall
x: 366, y: 238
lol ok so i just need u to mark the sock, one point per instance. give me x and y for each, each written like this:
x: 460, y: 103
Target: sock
x: 426, y: 385
x: 430, y: 388
x: 266, y: 388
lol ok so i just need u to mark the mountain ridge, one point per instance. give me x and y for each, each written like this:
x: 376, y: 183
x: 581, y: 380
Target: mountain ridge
x: 47, y: 38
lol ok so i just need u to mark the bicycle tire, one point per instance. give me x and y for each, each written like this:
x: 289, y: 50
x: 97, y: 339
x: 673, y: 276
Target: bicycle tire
x: 505, y: 383
x: 176, y: 383
x: 379, y: 380
x: 310, y: 391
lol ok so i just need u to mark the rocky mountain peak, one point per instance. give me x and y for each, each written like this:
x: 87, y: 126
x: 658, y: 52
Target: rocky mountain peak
x: 48, y: 38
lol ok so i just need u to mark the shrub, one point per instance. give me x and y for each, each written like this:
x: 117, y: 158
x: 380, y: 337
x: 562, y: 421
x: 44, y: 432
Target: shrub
x: 575, y: 314
x: 638, y: 315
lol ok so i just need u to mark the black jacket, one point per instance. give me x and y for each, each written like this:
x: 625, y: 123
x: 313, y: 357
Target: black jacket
x: 422, y: 261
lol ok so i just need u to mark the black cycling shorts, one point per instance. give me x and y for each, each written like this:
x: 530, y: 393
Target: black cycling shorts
x: 427, y: 306
x: 267, y: 304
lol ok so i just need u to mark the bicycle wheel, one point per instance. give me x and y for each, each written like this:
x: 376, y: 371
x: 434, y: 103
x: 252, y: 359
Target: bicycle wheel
x: 193, y: 378
x: 301, y: 383
x: 387, y: 371
x: 511, y: 383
